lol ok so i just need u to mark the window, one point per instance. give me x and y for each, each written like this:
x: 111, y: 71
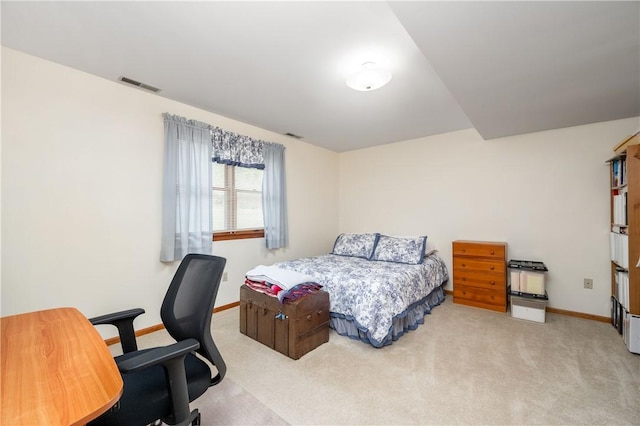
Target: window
x: 237, y: 202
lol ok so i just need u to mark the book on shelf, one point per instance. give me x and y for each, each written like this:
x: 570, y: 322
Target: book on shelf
x: 620, y: 207
x: 619, y: 249
x: 622, y: 287
x: 619, y: 172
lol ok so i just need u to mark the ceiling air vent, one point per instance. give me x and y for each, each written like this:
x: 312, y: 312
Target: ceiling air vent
x: 293, y: 135
x: 138, y: 84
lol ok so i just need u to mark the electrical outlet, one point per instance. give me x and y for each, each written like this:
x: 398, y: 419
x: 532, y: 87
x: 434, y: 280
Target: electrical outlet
x: 588, y: 283
x: 224, y: 276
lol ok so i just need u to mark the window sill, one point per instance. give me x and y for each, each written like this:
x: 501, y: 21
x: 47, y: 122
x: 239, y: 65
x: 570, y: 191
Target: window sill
x: 238, y: 235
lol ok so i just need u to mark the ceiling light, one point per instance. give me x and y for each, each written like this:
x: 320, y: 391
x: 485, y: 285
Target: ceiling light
x: 370, y: 77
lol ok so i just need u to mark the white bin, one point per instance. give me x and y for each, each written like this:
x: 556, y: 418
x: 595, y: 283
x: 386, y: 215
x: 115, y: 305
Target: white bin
x: 528, y: 308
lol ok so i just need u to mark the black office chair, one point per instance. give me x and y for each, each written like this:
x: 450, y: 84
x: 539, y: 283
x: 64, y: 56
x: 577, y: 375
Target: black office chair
x: 160, y: 382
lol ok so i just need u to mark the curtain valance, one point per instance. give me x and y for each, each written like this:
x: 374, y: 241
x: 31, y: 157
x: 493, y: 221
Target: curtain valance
x: 236, y: 150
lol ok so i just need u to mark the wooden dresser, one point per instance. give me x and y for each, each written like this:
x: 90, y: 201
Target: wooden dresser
x: 480, y: 274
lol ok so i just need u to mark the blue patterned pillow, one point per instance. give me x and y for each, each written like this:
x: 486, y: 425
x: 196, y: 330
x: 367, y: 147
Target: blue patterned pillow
x: 400, y: 249
x: 355, y: 245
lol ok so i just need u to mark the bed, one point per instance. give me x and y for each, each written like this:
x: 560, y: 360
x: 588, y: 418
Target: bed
x: 379, y: 286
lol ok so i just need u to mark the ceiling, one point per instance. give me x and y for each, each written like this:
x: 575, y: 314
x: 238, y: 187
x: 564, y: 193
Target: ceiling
x: 504, y: 68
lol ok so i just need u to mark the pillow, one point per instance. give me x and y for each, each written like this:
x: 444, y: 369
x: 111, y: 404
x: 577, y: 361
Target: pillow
x: 400, y: 249
x: 355, y: 245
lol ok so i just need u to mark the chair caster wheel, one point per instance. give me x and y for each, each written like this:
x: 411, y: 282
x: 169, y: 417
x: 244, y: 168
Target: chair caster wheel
x: 196, y: 421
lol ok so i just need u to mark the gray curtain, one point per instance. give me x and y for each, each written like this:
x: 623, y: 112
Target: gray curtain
x: 187, y: 222
x: 274, y: 196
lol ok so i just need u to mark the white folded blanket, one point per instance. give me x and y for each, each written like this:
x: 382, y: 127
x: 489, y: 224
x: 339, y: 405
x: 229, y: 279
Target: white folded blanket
x: 283, y: 278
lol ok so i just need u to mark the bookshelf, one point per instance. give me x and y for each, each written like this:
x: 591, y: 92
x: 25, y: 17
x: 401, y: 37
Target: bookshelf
x: 625, y: 240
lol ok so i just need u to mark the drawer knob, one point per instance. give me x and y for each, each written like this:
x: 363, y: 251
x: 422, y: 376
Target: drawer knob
x: 464, y: 265
x: 464, y: 279
x: 493, y: 252
x: 463, y: 250
x: 491, y: 267
x: 493, y: 282
x: 308, y: 317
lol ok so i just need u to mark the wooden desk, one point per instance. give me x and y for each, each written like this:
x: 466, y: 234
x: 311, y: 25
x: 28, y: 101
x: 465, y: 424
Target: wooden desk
x: 56, y: 370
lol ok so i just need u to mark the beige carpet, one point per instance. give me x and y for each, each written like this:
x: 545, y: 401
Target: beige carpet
x: 229, y: 404
x: 463, y: 366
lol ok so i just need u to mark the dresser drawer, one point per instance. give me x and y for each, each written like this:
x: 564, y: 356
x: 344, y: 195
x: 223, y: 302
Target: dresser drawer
x: 479, y: 249
x: 480, y: 280
x: 480, y: 296
x: 480, y: 265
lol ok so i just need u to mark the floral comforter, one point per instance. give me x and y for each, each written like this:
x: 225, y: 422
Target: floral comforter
x: 372, y: 292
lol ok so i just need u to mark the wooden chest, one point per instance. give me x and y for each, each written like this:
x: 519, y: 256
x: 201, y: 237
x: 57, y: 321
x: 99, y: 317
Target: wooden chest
x: 480, y: 274
x: 292, y: 329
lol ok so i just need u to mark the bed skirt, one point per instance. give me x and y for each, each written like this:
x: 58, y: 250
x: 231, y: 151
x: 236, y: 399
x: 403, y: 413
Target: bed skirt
x: 410, y: 319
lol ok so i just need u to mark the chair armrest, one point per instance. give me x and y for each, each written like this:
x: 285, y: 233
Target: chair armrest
x: 123, y: 320
x: 172, y: 360
x: 116, y: 316
x: 158, y: 356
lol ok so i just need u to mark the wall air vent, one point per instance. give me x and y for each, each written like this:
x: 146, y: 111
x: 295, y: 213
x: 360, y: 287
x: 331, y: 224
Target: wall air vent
x: 293, y: 135
x: 138, y: 84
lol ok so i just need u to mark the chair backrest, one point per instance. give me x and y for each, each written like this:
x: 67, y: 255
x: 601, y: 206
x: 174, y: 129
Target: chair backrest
x: 188, y: 305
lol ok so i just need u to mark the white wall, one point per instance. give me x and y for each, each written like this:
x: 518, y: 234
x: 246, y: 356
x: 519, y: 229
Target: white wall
x: 81, y: 178
x: 81, y: 194
x: 545, y: 194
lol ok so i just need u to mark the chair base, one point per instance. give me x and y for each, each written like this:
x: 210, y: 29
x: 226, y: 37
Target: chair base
x: 139, y: 406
